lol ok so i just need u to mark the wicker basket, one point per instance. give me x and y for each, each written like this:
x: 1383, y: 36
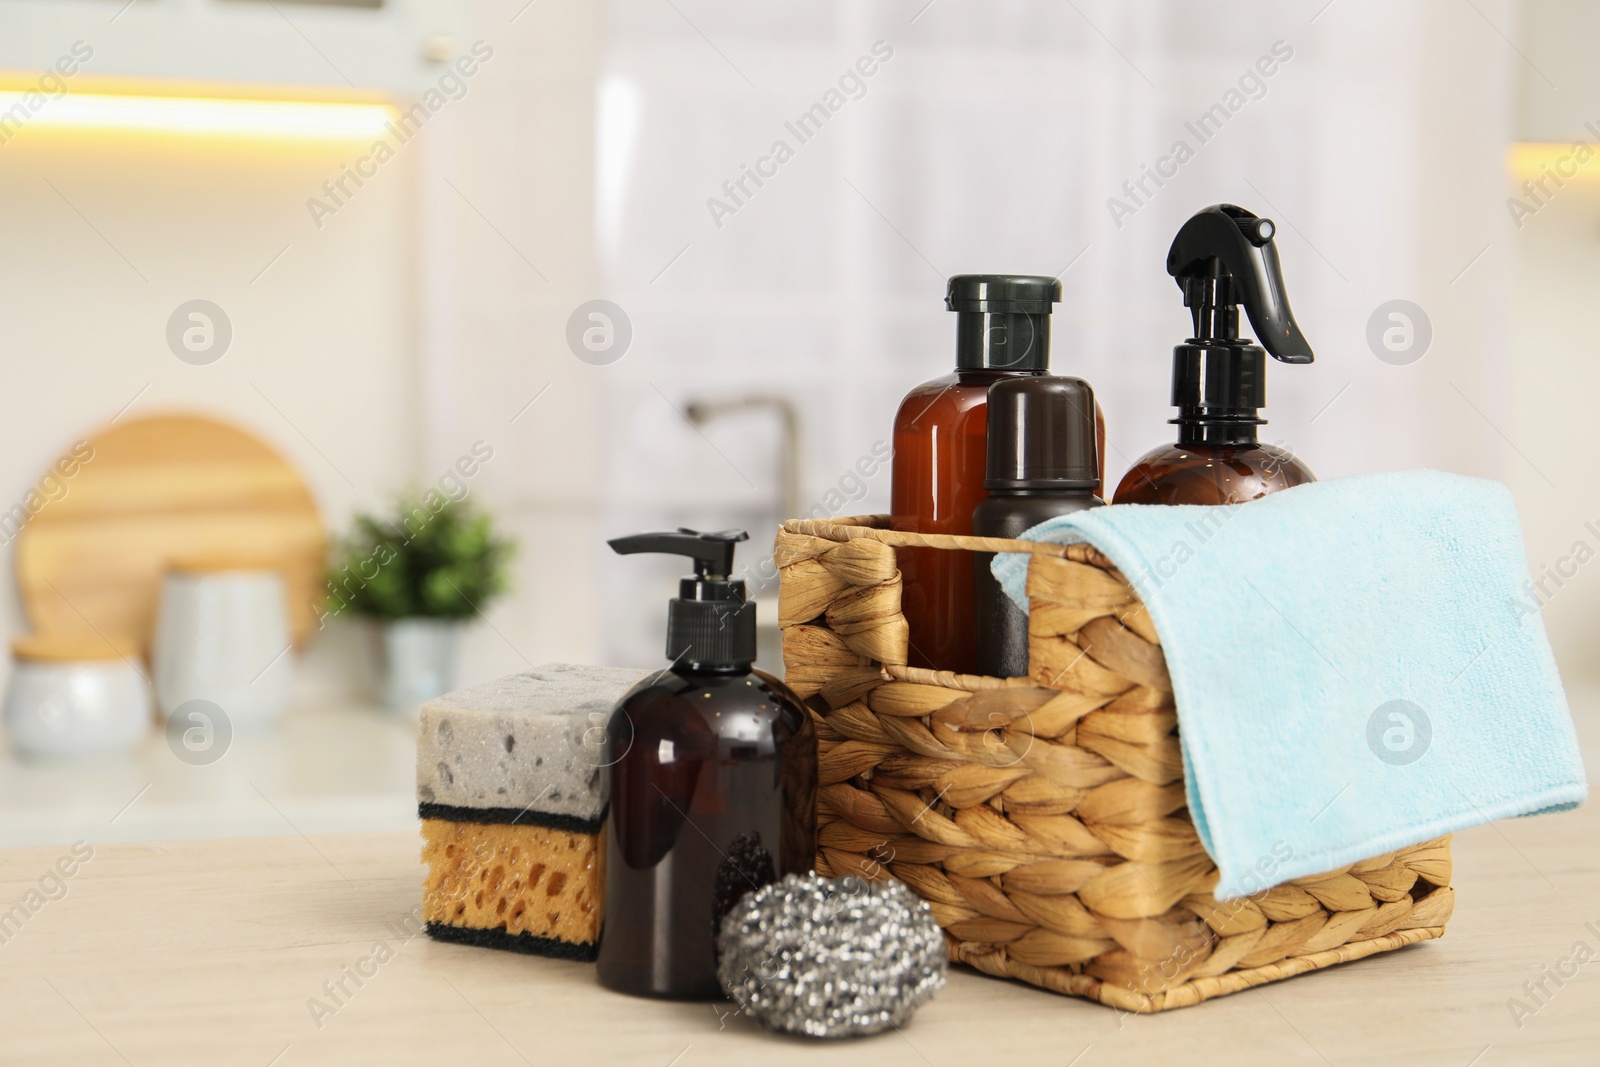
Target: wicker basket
x: 1043, y: 818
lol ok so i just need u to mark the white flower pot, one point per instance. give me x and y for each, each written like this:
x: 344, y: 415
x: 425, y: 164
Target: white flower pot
x: 419, y: 658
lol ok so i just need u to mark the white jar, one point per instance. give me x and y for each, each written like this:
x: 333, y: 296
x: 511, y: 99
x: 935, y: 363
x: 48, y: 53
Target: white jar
x: 222, y: 636
x: 74, y: 695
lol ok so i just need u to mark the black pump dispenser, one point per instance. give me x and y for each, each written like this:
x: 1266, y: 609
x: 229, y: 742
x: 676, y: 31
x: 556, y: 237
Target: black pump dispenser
x: 1224, y: 256
x: 710, y: 625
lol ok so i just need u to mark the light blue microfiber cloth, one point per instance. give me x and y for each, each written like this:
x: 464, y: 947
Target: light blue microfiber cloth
x: 1359, y: 665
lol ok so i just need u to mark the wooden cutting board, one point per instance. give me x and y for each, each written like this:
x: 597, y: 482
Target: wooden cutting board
x: 155, y: 490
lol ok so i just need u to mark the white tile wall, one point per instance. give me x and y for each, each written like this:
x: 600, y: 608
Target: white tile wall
x: 991, y: 142
x: 429, y: 313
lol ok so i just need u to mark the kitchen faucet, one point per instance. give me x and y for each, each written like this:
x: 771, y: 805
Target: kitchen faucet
x: 790, y: 503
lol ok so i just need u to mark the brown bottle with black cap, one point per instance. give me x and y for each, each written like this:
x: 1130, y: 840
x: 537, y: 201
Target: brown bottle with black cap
x: 713, y: 770
x: 1043, y: 461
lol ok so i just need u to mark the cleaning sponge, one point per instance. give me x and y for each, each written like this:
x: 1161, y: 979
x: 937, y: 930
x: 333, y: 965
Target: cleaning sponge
x: 511, y: 790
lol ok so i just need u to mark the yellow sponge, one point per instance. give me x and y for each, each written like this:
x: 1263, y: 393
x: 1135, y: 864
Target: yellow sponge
x: 528, y: 888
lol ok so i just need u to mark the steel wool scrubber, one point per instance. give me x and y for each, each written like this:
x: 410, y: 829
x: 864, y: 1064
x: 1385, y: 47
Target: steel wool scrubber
x: 831, y: 957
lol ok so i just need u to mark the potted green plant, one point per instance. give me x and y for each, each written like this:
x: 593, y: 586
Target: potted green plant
x: 419, y: 572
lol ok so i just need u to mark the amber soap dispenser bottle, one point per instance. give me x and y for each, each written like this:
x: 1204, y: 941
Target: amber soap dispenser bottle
x: 713, y: 783
x: 1223, y: 256
x: 940, y: 443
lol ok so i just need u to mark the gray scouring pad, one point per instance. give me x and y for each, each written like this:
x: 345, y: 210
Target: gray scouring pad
x: 527, y: 742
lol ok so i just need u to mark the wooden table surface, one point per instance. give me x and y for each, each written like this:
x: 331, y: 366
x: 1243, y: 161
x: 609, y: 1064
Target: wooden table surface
x: 213, y: 952
x: 217, y: 952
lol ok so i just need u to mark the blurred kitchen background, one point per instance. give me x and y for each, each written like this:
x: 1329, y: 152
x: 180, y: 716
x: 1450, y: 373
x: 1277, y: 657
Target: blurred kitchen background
x: 392, y: 313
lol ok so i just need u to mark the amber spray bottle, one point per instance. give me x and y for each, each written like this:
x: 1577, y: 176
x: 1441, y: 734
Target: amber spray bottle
x: 940, y: 449
x: 713, y: 783
x: 1223, y: 256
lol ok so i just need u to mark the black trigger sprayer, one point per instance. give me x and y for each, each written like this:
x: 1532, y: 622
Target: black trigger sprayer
x: 1223, y: 257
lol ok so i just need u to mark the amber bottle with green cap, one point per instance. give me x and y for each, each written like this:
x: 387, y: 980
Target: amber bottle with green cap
x: 940, y: 445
